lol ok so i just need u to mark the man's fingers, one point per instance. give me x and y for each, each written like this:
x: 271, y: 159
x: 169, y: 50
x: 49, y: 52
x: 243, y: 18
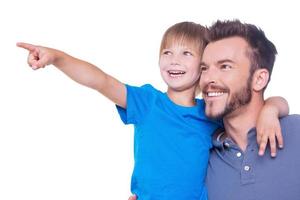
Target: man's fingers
x: 273, y: 146
x: 29, y: 47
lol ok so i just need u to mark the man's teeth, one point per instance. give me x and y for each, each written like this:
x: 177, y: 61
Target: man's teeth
x: 214, y: 94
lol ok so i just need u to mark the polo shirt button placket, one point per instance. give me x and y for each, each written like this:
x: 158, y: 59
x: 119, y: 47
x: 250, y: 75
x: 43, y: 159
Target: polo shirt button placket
x: 247, y: 175
x: 226, y: 145
x: 238, y: 154
x: 247, y: 168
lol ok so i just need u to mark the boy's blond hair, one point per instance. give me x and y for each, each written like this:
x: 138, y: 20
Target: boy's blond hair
x: 185, y: 33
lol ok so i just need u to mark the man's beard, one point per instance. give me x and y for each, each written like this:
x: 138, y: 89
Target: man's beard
x: 237, y: 100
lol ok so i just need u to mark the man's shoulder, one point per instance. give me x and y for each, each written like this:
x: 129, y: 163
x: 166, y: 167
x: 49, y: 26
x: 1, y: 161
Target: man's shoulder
x: 291, y: 119
x: 290, y: 122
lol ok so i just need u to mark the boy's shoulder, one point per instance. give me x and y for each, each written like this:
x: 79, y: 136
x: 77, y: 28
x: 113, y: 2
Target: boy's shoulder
x: 150, y: 88
x: 144, y: 87
x: 147, y: 91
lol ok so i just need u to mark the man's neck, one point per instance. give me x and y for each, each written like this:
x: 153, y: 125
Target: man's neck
x: 238, y: 123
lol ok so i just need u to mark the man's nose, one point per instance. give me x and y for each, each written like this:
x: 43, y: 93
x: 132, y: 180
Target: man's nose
x: 210, y: 75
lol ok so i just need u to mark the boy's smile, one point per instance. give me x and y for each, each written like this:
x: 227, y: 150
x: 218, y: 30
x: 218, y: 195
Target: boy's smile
x: 176, y: 73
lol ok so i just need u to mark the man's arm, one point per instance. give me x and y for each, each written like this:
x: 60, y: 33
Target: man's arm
x: 80, y: 71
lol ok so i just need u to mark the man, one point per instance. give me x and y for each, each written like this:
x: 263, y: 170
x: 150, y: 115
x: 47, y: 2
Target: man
x: 236, y: 67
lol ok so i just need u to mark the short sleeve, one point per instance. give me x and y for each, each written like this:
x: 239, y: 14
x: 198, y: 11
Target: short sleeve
x: 139, y: 103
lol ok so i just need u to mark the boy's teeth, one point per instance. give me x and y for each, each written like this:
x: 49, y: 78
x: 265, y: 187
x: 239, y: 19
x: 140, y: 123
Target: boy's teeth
x: 175, y: 72
x: 214, y: 94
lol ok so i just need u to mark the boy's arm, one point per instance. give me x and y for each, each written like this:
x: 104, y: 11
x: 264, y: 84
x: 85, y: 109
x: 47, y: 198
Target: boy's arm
x: 268, y: 125
x: 78, y: 70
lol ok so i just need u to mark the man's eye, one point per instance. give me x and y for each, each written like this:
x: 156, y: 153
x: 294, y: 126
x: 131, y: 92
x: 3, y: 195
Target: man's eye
x: 203, y: 68
x: 226, y: 67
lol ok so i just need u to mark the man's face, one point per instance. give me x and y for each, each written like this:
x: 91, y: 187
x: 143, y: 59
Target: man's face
x: 225, y: 80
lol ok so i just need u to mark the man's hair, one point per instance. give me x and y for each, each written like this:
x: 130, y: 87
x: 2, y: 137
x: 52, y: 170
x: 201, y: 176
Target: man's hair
x: 185, y: 33
x: 262, y: 51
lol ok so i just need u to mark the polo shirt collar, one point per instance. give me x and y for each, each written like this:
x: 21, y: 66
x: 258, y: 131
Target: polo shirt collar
x: 228, y: 143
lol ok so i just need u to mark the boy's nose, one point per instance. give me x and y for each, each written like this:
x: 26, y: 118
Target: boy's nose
x: 175, y: 60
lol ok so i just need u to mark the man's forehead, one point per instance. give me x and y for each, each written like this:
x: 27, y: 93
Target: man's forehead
x: 225, y: 49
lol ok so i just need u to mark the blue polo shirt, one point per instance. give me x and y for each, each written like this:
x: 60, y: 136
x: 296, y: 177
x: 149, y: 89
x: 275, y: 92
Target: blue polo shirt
x: 234, y: 175
x: 171, y: 145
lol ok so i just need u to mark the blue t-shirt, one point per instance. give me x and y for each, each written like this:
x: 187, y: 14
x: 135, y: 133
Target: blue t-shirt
x: 171, y: 145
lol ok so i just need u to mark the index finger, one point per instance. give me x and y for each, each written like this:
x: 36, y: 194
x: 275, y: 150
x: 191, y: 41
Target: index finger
x: 29, y: 47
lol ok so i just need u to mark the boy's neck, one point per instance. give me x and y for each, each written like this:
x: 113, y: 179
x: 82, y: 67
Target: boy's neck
x: 182, y: 98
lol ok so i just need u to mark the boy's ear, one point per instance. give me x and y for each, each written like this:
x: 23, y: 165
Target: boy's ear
x: 260, y: 79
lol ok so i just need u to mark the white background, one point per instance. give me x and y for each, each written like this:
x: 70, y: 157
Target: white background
x: 61, y: 141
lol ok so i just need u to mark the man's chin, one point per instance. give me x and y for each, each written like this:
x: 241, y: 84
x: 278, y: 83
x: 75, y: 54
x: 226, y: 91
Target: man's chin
x: 215, y: 115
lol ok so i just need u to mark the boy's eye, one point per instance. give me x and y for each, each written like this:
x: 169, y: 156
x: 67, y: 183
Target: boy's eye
x: 187, y: 53
x: 166, y: 52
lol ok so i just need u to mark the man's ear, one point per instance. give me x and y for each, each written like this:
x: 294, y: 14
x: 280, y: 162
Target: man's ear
x: 260, y: 79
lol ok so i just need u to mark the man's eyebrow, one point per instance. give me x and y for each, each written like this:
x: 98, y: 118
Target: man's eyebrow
x: 218, y: 62
x: 225, y: 60
x: 203, y: 64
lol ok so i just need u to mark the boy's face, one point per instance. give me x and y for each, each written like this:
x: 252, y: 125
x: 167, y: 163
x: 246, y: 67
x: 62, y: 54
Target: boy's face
x: 180, y: 66
x: 225, y: 80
